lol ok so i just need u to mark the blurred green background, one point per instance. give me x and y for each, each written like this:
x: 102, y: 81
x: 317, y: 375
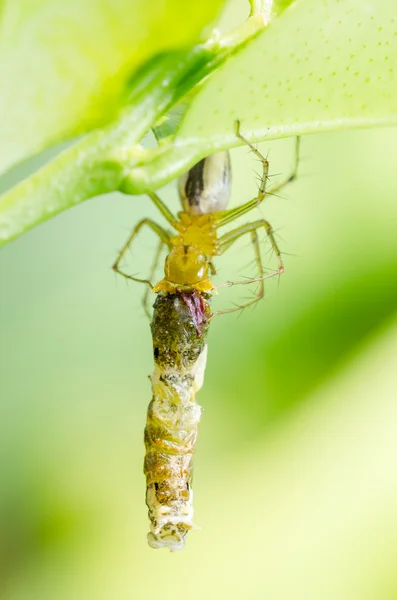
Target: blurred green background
x: 295, y: 471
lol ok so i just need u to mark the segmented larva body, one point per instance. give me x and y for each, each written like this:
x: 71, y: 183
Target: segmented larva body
x: 179, y: 330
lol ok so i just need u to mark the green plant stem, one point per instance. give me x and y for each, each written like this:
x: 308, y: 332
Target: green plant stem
x: 102, y: 160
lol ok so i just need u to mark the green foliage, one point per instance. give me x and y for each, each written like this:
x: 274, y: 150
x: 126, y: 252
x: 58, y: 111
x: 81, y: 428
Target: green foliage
x: 295, y: 483
x: 65, y: 66
x: 319, y: 67
x: 310, y: 70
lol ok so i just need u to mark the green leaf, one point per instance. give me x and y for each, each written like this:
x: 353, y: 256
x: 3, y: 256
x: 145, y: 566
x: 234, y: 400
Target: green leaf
x: 64, y: 66
x: 102, y: 160
x: 168, y: 124
x: 97, y: 164
x: 320, y: 66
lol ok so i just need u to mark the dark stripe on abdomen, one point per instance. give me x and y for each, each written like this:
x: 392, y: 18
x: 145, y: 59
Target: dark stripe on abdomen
x: 195, y: 183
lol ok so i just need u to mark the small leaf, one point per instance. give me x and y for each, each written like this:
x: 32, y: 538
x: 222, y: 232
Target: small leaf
x: 168, y: 124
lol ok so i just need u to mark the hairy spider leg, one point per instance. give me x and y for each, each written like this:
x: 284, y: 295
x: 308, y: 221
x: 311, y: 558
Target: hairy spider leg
x: 146, y: 295
x: 229, y: 238
x: 163, y: 208
x: 294, y: 173
x: 228, y: 216
x: 157, y: 229
x: 221, y: 218
x: 212, y: 267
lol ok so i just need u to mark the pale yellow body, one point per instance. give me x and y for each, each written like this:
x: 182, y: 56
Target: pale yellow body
x: 187, y: 264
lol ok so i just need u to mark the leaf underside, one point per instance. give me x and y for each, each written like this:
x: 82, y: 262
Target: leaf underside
x: 65, y: 67
x: 319, y: 66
